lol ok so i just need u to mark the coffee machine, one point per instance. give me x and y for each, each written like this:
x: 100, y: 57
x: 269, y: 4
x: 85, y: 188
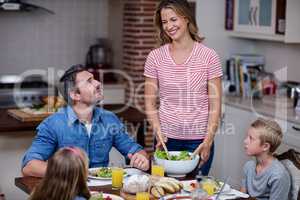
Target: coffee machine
x: 99, y: 60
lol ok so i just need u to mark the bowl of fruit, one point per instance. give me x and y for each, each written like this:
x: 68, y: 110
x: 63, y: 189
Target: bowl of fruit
x: 178, y: 163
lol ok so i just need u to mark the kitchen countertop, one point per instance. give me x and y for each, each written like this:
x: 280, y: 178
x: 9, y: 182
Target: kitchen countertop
x: 10, y: 124
x: 270, y: 106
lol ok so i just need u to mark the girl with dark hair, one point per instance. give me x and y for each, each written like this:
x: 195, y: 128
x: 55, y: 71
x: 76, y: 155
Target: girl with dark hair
x: 66, y: 177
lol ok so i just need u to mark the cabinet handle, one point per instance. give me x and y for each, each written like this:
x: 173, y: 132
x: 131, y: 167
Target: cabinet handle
x: 296, y: 128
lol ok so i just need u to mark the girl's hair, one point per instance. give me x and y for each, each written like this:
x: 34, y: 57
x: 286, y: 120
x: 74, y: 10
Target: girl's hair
x: 65, y: 177
x: 269, y: 132
x: 182, y: 8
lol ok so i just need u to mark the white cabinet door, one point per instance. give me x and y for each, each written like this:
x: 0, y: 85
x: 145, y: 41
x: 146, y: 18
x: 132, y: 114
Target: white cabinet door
x: 236, y: 123
x: 217, y: 165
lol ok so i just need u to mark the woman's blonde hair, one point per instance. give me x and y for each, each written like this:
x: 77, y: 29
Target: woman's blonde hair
x: 65, y: 177
x: 269, y: 132
x: 182, y: 8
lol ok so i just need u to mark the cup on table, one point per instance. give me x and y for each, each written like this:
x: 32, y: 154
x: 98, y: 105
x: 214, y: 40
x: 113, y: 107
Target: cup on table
x: 208, y: 184
x: 142, y: 196
x: 157, y: 170
x: 117, y: 174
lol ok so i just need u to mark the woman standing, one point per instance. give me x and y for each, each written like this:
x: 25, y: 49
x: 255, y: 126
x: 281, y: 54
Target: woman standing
x: 186, y: 75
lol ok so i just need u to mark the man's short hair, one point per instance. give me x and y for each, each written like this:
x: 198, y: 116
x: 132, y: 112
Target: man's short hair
x: 69, y: 80
x: 269, y: 132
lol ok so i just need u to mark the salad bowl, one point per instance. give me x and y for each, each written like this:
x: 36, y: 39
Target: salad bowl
x: 181, y: 162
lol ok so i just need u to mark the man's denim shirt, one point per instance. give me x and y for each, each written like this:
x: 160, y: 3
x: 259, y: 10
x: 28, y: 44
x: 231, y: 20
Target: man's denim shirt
x: 64, y: 129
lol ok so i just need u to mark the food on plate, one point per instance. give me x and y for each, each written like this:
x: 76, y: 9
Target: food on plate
x: 157, y: 191
x: 209, y: 184
x: 190, y: 185
x: 165, y: 185
x: 184, y: 155
x: 193, y: 185
x: 104, y: 172
x: 136, y: 183
x: 100, y: 197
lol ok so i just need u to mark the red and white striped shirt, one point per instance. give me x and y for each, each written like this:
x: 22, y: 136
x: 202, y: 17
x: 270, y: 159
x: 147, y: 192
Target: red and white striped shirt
x: 183, y: 92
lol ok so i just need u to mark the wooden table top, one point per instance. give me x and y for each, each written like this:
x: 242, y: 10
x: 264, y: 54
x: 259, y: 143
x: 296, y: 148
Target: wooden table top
x: 27, y: 184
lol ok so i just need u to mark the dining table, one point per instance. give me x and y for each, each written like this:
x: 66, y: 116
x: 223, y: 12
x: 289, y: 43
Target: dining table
x: 27, y: 184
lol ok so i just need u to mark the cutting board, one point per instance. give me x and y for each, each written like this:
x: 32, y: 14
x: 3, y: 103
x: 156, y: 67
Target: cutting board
x: 23, y: 116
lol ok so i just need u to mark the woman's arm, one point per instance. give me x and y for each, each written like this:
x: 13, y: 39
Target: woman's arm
x: 215, y: 98
x: 151, y: 91
x: 215, y: 103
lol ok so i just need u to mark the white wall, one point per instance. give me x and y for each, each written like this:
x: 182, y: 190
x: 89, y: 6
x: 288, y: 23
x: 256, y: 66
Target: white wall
x: 115, y: 28
x: 38, y: 40
x: 279, y: 55
x: 210, y: 18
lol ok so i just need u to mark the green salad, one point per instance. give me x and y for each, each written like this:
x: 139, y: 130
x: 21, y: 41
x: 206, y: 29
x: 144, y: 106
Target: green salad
x: 104, y: 172
x: 183, y: 155
x: 100, y: 197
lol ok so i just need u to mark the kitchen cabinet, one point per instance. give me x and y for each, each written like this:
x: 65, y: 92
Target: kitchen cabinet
x: 257, y: 19
x: 229, y: 149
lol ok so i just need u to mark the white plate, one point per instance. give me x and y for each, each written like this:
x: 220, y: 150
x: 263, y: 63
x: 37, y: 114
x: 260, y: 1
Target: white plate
x: 112, y: 196
x: 102, y: 178
x: 176, y: 196
x: 187, y: 186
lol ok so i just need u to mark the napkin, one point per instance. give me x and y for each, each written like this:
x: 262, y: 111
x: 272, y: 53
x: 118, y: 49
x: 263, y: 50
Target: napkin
x: 231, y: 194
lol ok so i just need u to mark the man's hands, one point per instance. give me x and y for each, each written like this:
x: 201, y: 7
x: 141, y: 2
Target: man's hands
x: 36, y: 168
x: 139, y: 160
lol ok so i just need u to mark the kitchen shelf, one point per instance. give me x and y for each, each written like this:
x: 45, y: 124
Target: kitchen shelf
x: 256, y: 36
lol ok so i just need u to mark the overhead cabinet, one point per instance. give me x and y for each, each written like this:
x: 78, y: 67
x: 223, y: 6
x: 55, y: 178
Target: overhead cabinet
x: 276, y: 20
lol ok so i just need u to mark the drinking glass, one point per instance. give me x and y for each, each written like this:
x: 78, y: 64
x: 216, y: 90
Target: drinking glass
x: 142, y: 196
x: 157, y: 170
x: 117, y: 177
x: 199, y: 194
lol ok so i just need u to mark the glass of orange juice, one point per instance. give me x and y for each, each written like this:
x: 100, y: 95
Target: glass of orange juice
x: 117, y: 177
x: 157, y: 170
x: 142, y: 196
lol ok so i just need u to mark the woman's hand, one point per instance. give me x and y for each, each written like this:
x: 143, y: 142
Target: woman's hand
x: 164, y: 138
x: 204, y: 151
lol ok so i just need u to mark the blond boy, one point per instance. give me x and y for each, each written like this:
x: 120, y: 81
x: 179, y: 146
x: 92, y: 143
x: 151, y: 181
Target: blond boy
x: 264, y: 178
